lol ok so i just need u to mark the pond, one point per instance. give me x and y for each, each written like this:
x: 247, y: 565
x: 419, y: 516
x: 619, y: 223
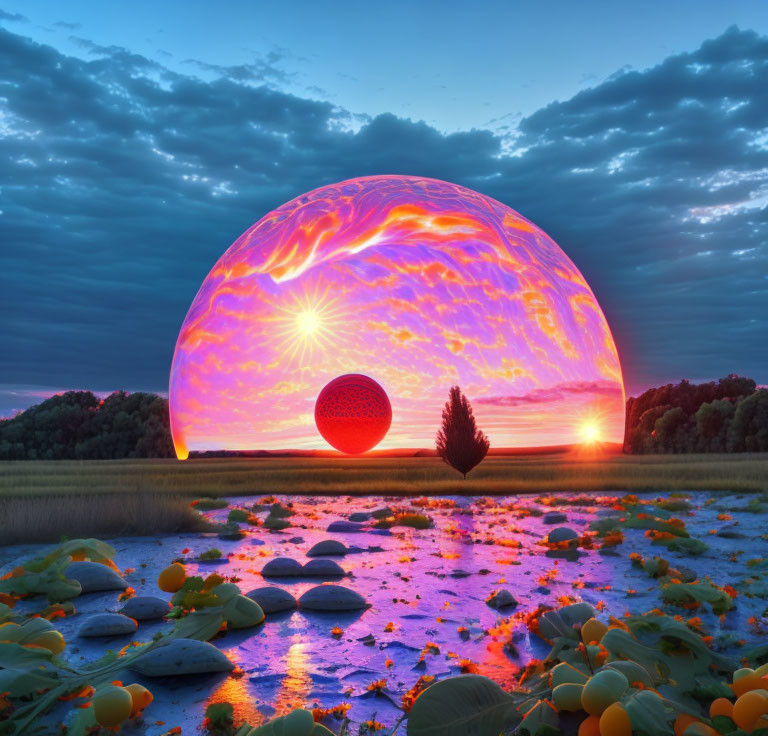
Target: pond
x: 427, y: 590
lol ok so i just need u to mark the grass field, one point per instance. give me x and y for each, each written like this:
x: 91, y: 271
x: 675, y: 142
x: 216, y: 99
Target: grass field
x: 40, y: 501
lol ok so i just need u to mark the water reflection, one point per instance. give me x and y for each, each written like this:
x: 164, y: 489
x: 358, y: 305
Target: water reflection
x: 234, y: 690
x: 297, y: 684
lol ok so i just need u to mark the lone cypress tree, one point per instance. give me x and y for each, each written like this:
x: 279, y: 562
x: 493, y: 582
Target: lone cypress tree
x: 459, y: 442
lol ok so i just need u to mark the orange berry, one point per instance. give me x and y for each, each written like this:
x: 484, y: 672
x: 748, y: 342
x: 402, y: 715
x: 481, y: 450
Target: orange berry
x: 615, y: 721
x: 172, y: 578
x: 140, y: 697
x: 749, y: 683
x: 590, y: 726
x: 721, y: 707
x: 749, y: 707
x: 682, y: 722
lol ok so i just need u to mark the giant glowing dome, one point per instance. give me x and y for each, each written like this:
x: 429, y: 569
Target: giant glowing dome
x: 418, y: 284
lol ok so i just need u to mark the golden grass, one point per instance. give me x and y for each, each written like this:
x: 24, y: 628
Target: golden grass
x: 566, y: 471
x: 41, y: 501
x: 30, y: 518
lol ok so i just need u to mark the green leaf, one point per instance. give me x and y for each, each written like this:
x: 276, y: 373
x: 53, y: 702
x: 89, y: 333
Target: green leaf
x: 468, y: 705
x: 19, y: 683
x: 723, y: 724
x: 201, y: 625
x: 541, y: 720
x: 684, y: 594
x: 647, y: 713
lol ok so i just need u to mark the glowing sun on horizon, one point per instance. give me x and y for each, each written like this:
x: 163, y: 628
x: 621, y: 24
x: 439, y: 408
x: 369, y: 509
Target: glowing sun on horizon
x: 590, y: 432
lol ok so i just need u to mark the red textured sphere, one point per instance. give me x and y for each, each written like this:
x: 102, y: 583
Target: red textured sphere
x: 353, y: 413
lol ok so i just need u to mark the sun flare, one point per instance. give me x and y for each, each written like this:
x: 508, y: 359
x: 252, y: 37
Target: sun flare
x: 308, y: 322
x: 307, y: 325
x: 590, y: 433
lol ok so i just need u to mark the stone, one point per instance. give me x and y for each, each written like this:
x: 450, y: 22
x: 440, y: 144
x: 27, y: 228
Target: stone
x: 332, y: 598
x: 272, y: 599
x: 282, y: 567
x: 561, y: 534
x: 345, y: 526
x: 107, y: 624
x: 359, y: 516
x: 94, y: 577
x: 328, y: 548
x: 145, y: 607
x: 323, y: 569
x: 182, y: 657
x: 554, y: 517
x: 502, y: 599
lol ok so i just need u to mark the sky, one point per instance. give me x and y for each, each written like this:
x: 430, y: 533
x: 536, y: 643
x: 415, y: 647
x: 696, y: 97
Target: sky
x: 138, y: 144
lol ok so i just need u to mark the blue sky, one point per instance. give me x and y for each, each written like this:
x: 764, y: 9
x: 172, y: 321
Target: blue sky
x: 137, y: 144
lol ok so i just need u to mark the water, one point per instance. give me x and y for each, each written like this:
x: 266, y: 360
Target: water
x: 423, y: 585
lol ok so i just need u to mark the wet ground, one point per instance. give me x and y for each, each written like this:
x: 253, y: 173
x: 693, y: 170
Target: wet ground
x: 423, y: 586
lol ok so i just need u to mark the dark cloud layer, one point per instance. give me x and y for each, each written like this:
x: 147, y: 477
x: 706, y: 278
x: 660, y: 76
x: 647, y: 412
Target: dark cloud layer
x: 121, y: 183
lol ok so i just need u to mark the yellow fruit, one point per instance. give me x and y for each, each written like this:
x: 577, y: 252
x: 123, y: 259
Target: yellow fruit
x: 603, y: 689
x: 112, y: 705
x: 590, y: 726
x: 721, y: 707
x: 761, y: 670
x: 593, y: 630
x: 172, y: 578
x: 615, y: 721
x: 51, y: 640
x: 567, y: 696
x: 564, y: 672
x: 140, y: 697
x: 749, y: 707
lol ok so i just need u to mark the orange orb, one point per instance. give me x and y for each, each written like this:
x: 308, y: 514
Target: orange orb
x: 353, y: 413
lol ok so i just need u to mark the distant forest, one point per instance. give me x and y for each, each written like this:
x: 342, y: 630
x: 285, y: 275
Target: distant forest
x: 730, y: 415
x: 79, y: 425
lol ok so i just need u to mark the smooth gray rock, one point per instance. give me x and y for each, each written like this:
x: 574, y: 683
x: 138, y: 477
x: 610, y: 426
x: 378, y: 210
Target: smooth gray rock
x: 345, y: 526
x: 272, y: 599
x: 328, y: 548
x: 502, y: 599
x: 332, y: 598
x: 145, y: 607
x: 282, y: 567
x: 323, y: 569
x: 107, y: 624
x: 94, y: 577
x: 561, y: 534
x: 359, y: 516
x: 182, y: 657
x: 554, y: 517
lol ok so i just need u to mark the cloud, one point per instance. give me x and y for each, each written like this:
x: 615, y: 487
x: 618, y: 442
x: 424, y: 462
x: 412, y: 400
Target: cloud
x: 122, y: 183
x: 13, y: 17
x: 553, y: 394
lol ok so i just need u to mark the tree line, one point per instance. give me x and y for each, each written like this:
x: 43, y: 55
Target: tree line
x: 730, y: 415
x: 77, y: 425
